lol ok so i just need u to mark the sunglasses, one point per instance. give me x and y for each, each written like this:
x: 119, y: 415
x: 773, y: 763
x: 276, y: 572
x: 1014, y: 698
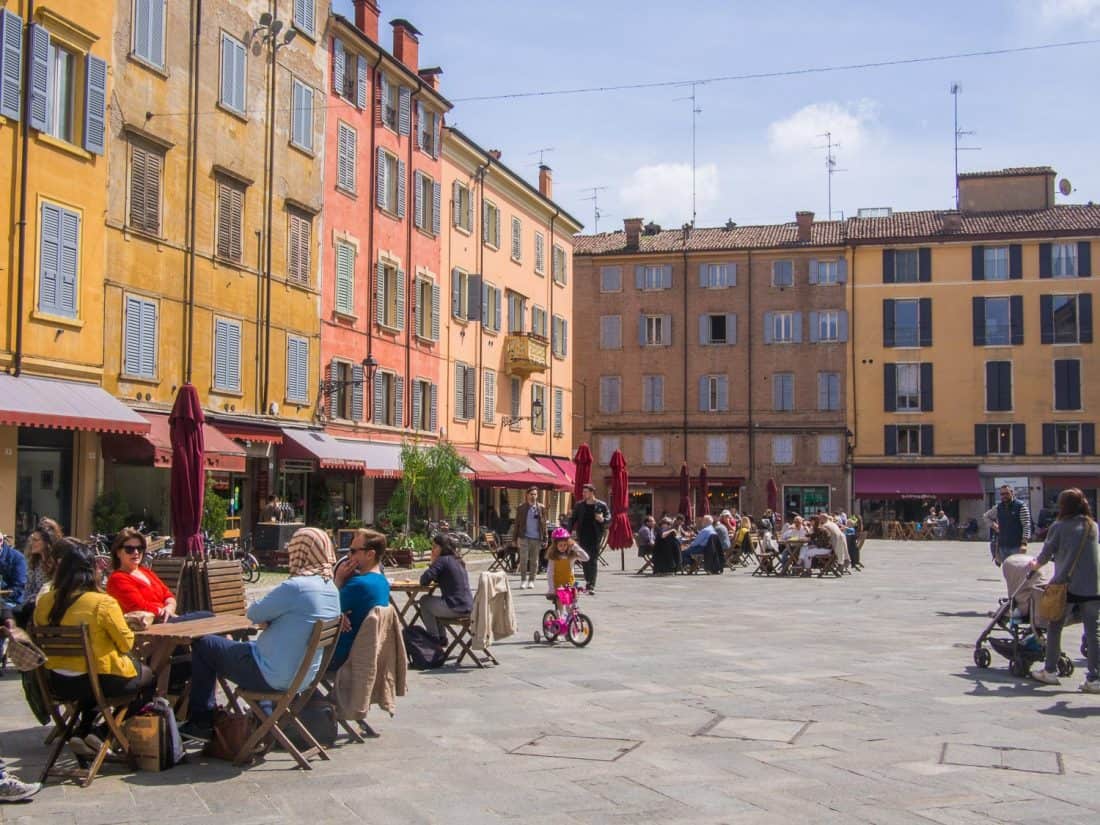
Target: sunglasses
x: 133, y: 548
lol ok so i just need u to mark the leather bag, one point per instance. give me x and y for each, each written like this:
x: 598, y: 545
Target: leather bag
x: 1052, y: 604
x: 24, y: 654
x: 231, y: 731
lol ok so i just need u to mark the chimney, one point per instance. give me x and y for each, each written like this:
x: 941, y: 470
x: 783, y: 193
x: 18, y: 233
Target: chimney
x: 406, y: 43
x: 494, y: 154
x: 952, y: 222
x: 633, y: 227
x: 366, y: 18
x: 431, y: 76
x: 805, y: 221
x: 546, y: 181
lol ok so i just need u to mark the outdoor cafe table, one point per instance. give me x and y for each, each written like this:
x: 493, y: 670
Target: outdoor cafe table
x: 158, y: 641
x: 414, y: 591
x: 793, y: 547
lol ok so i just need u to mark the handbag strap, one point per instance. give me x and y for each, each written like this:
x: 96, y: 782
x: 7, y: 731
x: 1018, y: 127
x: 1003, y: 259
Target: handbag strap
x: 1084, y: 540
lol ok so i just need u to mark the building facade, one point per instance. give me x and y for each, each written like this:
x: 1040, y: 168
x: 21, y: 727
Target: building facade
x: 508, y: 387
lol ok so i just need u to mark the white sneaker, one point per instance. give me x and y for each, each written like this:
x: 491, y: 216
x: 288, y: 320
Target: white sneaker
x: 530, y: 584
x: 1039, y: 674
x: 1091, y: 687
x: 12, y: 790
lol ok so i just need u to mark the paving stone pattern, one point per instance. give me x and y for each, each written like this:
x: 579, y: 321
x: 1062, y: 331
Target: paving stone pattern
x: 703, y: 699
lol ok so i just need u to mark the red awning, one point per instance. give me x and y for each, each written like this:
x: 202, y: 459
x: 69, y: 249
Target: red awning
x: 713, y: 482
x: 243, y: 431
x: 1063, y: 482
x: 558, y: 466
x: 513, y: 471
x: 329, y: 453
x: 155, y: 448
x: 65, y: 405
x: 916, y: 482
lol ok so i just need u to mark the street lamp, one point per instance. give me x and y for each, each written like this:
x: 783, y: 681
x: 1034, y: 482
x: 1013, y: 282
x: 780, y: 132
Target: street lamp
x: 328, y: 387
x: 512, y: 420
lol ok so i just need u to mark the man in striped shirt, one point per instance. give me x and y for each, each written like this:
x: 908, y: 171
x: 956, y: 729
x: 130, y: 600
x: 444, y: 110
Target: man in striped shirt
x: 1011, y: 521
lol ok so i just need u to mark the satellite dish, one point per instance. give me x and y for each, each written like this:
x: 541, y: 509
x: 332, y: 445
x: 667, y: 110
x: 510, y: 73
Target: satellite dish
x: 1065, y: 187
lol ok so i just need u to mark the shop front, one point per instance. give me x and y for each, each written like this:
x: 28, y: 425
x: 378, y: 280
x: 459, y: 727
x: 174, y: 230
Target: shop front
x: 806, y: 499
x: 660, y: 495
x: 1052, y: 487
x: 500, y: 481
x: 909, y: 494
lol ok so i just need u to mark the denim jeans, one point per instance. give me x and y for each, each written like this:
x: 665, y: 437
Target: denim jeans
x: 1090, y: 618
x: 1004, y: 552
x: 214, y: 656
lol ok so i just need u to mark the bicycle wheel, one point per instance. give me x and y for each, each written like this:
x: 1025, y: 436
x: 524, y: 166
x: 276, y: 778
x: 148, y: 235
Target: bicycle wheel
x: 252, y: 566
x: 550, y: 625
x: 580, y: 630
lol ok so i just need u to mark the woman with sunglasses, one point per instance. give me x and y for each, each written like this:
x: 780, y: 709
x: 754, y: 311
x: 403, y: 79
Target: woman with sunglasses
x: 139, y: 588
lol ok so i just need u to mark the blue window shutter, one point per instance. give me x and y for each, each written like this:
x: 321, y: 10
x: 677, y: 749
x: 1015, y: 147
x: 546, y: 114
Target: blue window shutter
x: 70, y: 250
x: 361, y: 83
x: 418, y: 200
x: 888, y: 276
x: 813, y: 271
x: 456, y: 293
x: 292, y: 391
x: 924, y: 316
x: 704, y: 405
x: 977, y: 317
x: 1015, y: 266
x: 731, y: 274
x: 433, y: 410
x: 233, y: 359
x: 926, y: 444
x: 723, y: 394
x: 702, y: 276
x: 842, y: 325
x: 1019, y: 439
x: 437, y: 204
x: 1088, y: 439
x: 475, y: 299
x: 11, y: 65
x: 977, y: 263
x: 400, y: 188
x: 418, y: 309
x: 924, y: 261
x: 926, y: 387
x: 891, y: 445
x: 1046, y: 319
x: 418, y: 402
x: 49, y: 258
x: 564, y: 337
x: 814, y: 319
x: 890, y: 387
x: 420, y: 126
x: 399, y: 400
x: 1046, y: 260
x: 1084, y: 318
x: 221, y: 345
x: 148, y: 343
x: 484, y: 222
x: 380, y: 177
x: 639, y: 276
x: 380, y: 293
x: 38, y: 86
x: 400, y: 320
x: 404, y: 115
x: 339, y: 65
x: 496, y: 309
x: 460, y: 391
x: 485, y: 298
x: 379, y: 397
x: 1016, y: 319
x: 704, y: 329
x: 95, y: 104
x: 731, y: 328
x: 131, y: 356
x: 888, y: 327
x: 1049, y: 443
x: 981, y: 443
x: 842, y: 271
x: 641, y: 331
x: 1084, y: 259
x: 797, y: 327
x: 357, y: 393
x: 769, y: 327
x: 666, y: 276
x: 435, y: 312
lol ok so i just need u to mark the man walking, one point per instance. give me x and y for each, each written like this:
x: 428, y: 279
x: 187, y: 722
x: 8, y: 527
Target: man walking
x: 590, y: 519
x: 529, y: 536
x: 1011, y: 521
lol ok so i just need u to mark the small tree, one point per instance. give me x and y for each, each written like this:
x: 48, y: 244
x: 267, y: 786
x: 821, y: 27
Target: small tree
x: 215, y: 511
x: 109, y: 513
x: 432, y: 477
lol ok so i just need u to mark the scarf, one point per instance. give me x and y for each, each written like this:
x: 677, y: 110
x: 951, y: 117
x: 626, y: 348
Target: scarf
x: 311, y: 553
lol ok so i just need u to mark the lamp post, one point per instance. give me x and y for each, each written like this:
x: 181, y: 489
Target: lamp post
x: 512, y: 420
x: 328, y: 387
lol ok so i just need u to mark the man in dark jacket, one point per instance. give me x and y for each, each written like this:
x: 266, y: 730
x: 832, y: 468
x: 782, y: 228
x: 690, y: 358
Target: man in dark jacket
x: 1011, y: 521
x: 13, y: 573
x: 529, y: 535
x: 589, y: 523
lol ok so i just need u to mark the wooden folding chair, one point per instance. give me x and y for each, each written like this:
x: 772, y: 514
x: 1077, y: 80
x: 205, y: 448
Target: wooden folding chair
x: 826, y: 564
x: 76, y: 641
x: 289, y: 703
x: 223, y: 587
x: 767, y: 562
x: 460, y: 635
x: 648, y: 565
x: 505, y: 558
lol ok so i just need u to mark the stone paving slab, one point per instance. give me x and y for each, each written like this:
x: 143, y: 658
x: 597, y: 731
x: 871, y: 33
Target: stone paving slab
x: 703, y: 699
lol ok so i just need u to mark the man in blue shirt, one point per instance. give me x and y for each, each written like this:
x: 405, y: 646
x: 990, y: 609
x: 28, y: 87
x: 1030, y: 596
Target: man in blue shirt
x: 362, y: 588
x: 13, y: 573
x: 699, y: 545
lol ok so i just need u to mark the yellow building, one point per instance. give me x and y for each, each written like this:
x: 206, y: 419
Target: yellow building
x: 57, y: 72
x: 508, y: 397
x: 213, y: 232
x: 972, y: 333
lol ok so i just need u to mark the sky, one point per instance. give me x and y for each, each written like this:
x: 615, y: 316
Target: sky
x: 760, y: 145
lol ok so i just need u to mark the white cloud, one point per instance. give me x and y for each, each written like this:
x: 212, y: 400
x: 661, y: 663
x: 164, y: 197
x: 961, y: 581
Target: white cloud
x: 1068, y: 12
x: 850, y: 125
x: 662, y: 192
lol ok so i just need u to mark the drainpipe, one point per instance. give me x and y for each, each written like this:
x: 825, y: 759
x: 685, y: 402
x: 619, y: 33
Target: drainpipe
x: 850, y: 453
x: 479, y: 173
x: 410, y: 208
x: 751, y: 387
x: 192, y: 187
x: 550, y: 376
x: 685, y: 325
x: 371, y: 268
x: 24, y: 143
x: 270, y: 173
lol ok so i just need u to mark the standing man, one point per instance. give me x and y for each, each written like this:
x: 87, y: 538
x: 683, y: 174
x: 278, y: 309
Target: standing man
x: 1011, y: 521
x: 589, y: 522
x: 529, y: 536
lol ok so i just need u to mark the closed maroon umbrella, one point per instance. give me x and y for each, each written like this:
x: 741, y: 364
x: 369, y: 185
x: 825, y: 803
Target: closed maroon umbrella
x: 583, y: 462
x: 773, y: 496
x: 702, y: 507
x: 620, y: 535
x: 685, y: 494
x: 188, y: 472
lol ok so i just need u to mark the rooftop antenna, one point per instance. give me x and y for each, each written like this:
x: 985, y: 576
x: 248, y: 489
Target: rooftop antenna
x: 541, y: 152
x: 595, y: 198
x: 956, y: 89
x: 830, y: 166
x: 695, y: 112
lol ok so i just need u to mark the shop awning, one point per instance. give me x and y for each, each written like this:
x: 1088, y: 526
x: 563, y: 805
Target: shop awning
x: 562, y: 468
x: 513, y: 471
x: 329, y: 453
x: 65, y: 405
x: 916, y: 482
x: 380, y: 459
x: 1063, y: 482
x: 713, y: 482
x: 243, y: 431
x: 155, y: 448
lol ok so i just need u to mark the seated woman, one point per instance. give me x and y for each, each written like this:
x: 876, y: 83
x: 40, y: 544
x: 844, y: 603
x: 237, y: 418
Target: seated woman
x: 820, y: 544
x: 289, y: 613
x: 447, y: 571
x: 666, y: 552
x: 40, y: 570
x: 362, y: 588
x: 139, y: 588
x: 562, y: 555
x: 75, y: 600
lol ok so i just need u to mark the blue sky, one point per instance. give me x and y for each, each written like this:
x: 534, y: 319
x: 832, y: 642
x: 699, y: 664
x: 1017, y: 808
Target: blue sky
x: 757, y: 155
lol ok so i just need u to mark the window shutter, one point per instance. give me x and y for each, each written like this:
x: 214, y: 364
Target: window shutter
x: 992, y: 388
x: 489, y: 379
x: 540, y: 253
x: 380, y: 178
x: 842, y: 271
x: 470, y: 393
x: 496, y: 309
x: 11, y: 65
x: 339, y: 66
x: 131, y: 356
x: 404, y: 113
x: 666, y: 330
x: 769, y: 327
x: 926, y: 444
x: 1084, y: 259
x: 977, y: 263
x: 1046, y: 263
x: 1015, y: 262
x: 302, y: 116
x: 666, y: 276
x: 345, y: 277
x: 435, y: 312
x: 433, y: 408
x: 70, y: 241
x: 436, y: 148
x: 814, y: 320
x: 361, y: 83
x: 399, y: 321
x: 460, y: 391
x: 418, y: 404
x: 221, y: 369
x: 39, y: 81
x: 1084, y: 317
x: 797, y: 327
x: 891, y: 445
x: 1049, y: 443
x: 517, y: 240
x: 456, y: 293
x: 474, y: 298
x: 1088, y: 439
x: 926, y: 387
x: 977, y: 315
x: 357, y: 393
x: 731, y: 328
x: 486, y: 307
x: 889, y: 387
x: 981, y: 444
x: 639, y: 277
x: 418, y: 200
x: 1061, y: 390
x: 842, y: 325
x: 437, y: 202
x: 559, y: 412
x: 399, y: 400
x: 484, y: 222
x: 496, y: 227
x: 888, y: 276
x: 420, y: 126
x: 1016, y: 319
x: 702, y: 276
x: 924, y: 315
x: 233, y: 359
x: 380, y: 293
x: 704, y: 401
x: 400, y: 188
x: 292, y: 391
x: 1073, y: 383
x: 456, y: 203
x: 704, y: 329
x: 418, y: 309
x: 641, y: 330
x: 888, y: 322
x: 148, y: 343
x: 49, y: 259
x: 813, y: 272
x: 1046, y: 319
x: 723, y: 393
x: 924, y: 261
x: 379, y: 403
x: 1019, y: 439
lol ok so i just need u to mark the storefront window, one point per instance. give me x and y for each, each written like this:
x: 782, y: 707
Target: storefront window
x: 806, y: 501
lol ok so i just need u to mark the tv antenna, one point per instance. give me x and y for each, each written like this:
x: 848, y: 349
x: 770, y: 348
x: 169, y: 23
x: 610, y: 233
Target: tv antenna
x: 541, y: 152
x: 595, y: 198
x: 695, y: 112
x: 956, y: 89
x: 830, y: 166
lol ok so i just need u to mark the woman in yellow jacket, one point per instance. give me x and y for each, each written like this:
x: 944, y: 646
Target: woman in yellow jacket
x: 75, y: 600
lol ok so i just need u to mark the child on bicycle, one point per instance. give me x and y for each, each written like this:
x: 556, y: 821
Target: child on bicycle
x: 560, y: 558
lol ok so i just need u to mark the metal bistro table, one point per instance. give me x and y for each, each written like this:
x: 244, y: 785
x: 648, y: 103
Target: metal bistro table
x: 414, y: 591
x: 159, y: 641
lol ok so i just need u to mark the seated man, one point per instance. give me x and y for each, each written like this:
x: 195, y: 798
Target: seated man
x: 699, y: 544
x: 13, y: 573
x: 647, y: 538
x: 289, y: 612
x: 666, y: 553
x: 362, y: 588
x: 820, y: 544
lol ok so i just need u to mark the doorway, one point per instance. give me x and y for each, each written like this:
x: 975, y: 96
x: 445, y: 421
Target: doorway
x: 45, y: 474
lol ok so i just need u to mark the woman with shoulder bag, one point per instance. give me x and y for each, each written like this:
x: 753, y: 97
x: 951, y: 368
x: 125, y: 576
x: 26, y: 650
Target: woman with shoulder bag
x: 1072, y: 544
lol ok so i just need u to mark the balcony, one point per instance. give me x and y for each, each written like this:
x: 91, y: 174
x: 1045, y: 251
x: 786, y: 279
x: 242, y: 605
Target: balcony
x: 525, y: 354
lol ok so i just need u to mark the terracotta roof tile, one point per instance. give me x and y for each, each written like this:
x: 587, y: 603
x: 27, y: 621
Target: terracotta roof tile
x: 1010, y: 172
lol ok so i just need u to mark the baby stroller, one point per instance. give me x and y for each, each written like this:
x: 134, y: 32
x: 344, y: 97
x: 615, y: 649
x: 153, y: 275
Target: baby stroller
x: 1012, y: 632
x: 574, y: 625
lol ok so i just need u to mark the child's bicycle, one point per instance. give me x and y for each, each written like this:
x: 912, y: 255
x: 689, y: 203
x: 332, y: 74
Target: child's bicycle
x: 575, y: 626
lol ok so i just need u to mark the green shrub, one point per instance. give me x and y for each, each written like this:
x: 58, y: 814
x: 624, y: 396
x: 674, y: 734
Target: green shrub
x: 215, y: 511
x: 110, y: 512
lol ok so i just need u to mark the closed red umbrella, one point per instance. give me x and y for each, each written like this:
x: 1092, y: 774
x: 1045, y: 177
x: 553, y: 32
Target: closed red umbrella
x: 685, y: 494
x: 773, y: 495
x: 583, y: 462
x: 702, y: 507
x: 188, y: 472
x: 620, y: 535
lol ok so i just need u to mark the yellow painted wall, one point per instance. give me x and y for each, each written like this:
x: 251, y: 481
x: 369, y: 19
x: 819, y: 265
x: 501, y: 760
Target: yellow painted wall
x: 9, y: 465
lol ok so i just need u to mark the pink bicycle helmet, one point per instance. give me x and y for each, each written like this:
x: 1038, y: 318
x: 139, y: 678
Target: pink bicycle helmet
x: 559, y: 533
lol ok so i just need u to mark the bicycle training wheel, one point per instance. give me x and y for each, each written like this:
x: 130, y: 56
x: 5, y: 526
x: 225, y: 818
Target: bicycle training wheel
x: 550, y: 625
x: 580, y: 630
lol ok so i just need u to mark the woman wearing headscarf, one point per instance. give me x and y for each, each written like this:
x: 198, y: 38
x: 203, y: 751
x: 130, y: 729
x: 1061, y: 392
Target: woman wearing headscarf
x: 288, y: 613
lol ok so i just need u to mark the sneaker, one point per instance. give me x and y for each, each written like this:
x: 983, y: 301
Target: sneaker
x: 1092, y: 686
x: 80, y: 748
x: 196, y: 730
x: 1039, y: 674
x: 12, y: 790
